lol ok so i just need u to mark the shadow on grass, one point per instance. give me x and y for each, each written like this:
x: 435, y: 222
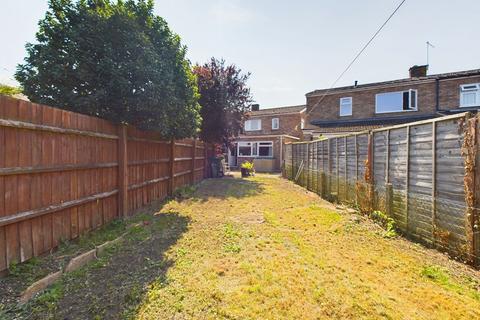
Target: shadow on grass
x: 111, y: 286
x: 225, y: 188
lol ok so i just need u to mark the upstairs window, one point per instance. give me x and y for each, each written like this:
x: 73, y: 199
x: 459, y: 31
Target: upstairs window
x: 346, y: 106
x: 253, y: 125
x: 396, y: 101
x: 302, y: 124
x: 275, y: 124
x: 470, y: 95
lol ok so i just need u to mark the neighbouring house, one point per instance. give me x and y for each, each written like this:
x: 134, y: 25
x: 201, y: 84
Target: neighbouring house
x: 343, y: 110
x: 265, y: 132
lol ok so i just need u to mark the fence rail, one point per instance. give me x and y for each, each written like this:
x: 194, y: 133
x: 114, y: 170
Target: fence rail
x: 63, y: 174
x: 424, y: 175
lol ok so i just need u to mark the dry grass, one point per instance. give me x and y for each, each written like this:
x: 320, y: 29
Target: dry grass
x: 263, y: 248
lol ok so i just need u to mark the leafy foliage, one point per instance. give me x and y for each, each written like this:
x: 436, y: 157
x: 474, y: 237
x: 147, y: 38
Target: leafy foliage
x: 9, y: 90
x: 385, y: 221
x: 224, y: 97
x: 116, y: 60
x: 248, y: 166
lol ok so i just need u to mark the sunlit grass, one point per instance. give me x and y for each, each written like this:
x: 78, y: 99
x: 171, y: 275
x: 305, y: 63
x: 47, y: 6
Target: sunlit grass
x: 263, y: 248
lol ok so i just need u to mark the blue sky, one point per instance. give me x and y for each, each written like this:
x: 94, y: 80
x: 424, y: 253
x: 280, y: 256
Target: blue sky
x: 293, y: 47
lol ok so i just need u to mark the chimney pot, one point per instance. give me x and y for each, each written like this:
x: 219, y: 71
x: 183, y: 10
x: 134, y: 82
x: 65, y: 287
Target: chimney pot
x: 418, y: 71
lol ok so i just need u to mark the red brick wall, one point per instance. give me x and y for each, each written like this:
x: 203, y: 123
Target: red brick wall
x: 363, y: 99
x: 289, y: 124
x: 450, y: 91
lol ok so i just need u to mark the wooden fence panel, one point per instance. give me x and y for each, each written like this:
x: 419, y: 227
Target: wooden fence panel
x: 60, y: 175
x: 397, y: 174
x: 420, y: 224
x: 450, y: 195
x: 419, y: 178
x: 380, y: 142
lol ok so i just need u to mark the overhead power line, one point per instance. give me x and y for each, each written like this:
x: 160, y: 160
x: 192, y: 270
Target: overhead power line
x: 357, y: 56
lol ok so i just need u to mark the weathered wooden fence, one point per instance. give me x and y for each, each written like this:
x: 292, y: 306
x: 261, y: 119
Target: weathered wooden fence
x: 63, y: 174
x: 421, y: 174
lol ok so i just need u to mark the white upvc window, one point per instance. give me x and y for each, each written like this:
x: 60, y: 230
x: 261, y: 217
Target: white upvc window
x: 265, y: 149
x: 253, y: 125
x: 244, y: 149
x: 346, y: 106
x: 470, y: 95
x: 396, y: 101
x: 302, y: 124
x: 255, y: 149
x: 275, y: 123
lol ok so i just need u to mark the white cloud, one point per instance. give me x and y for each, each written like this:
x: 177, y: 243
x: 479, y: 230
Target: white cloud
x: 230, y: 12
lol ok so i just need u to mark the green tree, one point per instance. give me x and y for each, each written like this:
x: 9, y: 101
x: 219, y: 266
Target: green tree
x: 9, y: 90
x: 115, y: 60
x: 225, y: 98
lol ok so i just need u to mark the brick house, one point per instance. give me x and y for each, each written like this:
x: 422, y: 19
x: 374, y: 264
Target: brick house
x: 264, y: 134
x: 366, y: 106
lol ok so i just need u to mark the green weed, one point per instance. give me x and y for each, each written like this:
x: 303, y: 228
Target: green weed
x: 386, y: 222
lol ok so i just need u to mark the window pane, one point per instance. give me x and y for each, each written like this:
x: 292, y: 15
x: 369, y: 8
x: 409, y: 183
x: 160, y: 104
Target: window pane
x: 265, y: 151
x: 406, y: 100
x: 244, y: 151
x: 469, y: 98
x: 275, y: 123
x: 413, y: 99
x: 389, y: 102
x: 254, y: 149
x: 253, y: 124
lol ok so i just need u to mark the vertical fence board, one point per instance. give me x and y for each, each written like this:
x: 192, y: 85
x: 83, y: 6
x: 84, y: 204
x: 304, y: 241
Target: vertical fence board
x: 417, y: 172
x: 62, y: 174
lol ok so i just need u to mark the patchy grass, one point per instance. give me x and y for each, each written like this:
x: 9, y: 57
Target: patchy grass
x: 263, y: 248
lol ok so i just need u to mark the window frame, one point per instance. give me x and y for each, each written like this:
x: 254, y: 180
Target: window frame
x: 244, y: 144
x: 477, y: 94
x: 254, y: 148
x: 402, y: 93
x: 277, y: 121
x: 259, y: 144
x: 249, y: 126
x: 341, y: 104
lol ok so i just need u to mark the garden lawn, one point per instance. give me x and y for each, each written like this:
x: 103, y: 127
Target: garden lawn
x: 264, y: 248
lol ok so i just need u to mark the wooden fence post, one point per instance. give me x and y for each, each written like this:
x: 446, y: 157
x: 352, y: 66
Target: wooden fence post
x: 434, y: 182
x: 122, y: 171
x: 407, y: 181
x: 171, y: 181
x: 205, y: 160
x: 293, y: 162
x: 389, y: 199
x: 194, y: 154
x: 475, y: 225
x: 369, y: 174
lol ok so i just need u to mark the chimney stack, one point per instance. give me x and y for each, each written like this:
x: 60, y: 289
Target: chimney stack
x: 255, y: 107
x: 418, y: 71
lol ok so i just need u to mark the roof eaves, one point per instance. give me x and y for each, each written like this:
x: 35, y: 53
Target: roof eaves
x: 371, y: 121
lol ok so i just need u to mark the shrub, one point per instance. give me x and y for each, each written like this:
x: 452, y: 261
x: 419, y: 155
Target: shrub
x: 248, y: 166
